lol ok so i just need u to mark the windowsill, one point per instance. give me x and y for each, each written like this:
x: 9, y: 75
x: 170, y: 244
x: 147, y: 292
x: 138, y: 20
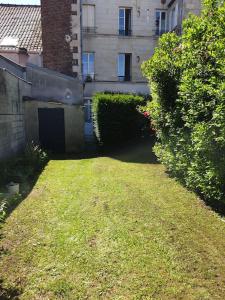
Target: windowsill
x: 125, y: 36
x: 117, y: 82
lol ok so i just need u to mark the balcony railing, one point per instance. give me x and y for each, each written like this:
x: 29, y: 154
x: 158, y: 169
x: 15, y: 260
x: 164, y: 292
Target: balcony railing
x: 124, y: 78
x: 159, y: 32
x: 125, y: 32
x: 90, y: 30
x: 89, y: 77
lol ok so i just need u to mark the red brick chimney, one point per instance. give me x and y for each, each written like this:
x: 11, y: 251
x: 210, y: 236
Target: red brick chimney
x: 61, y: 36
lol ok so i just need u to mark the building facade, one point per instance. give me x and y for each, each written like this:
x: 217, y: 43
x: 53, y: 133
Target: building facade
x: 178, y: 10
x: 100, y: 44
x: 117, y: 36
x: 105, y: 42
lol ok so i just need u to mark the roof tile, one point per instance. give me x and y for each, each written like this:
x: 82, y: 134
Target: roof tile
x: 22, y: 22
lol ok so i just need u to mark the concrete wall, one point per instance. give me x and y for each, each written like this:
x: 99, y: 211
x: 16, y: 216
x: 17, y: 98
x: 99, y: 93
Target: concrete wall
x: 107, y: 44
x: 12, y: 129
x: 124, y: 87
x: 32, y: 57
x: 48, y: 85
x: 11, y: 66
x: 74, y: 123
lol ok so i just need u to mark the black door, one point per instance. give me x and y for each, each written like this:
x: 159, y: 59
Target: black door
x: 52, y: 129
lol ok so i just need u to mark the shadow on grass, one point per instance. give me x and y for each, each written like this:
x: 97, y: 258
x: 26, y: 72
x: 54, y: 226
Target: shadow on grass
x: 11, y: 202
x: 26, y: 186
x: 9, y: 293
x: 135, y: 151
x: 138, y: 151
x: 216, y: 206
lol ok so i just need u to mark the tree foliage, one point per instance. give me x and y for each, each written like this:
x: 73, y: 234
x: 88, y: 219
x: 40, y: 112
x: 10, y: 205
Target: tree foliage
x: 187, y: 78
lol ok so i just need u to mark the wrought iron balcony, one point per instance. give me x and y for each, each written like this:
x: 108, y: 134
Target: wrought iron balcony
x: 90, y: 30
x: 124, y: 78
x: 125, y: 32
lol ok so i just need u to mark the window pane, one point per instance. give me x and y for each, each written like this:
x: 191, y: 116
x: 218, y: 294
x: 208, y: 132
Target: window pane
x: 157, y: 21
x: 85, y: 57
x: 122, y: 19
x: 91, y: 16
x: 85, y: 16
x: 88, y: 15
x: 121, y: 65
x: 163, y: 22
x: 91, y: 63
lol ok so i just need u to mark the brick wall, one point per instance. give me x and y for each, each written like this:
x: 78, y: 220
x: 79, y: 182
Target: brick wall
x: 60, y: 41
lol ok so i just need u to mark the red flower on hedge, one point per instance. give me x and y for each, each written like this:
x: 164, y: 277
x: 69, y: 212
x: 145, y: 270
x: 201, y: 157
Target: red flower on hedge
x: 146, y: 114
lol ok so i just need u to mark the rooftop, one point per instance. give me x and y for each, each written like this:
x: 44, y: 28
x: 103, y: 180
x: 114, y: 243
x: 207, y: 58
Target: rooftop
x: 20, y: 27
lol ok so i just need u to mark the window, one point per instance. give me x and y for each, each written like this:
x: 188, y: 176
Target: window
x: 124, y: 66
x: 88, y: 18
x: 160, y: 22
x: 88, y: 111
x: 88, y: 61
x: 174, y: 17
x: 125, y: 21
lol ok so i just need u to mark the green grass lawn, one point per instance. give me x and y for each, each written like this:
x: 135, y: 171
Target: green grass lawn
x: 112, y: 227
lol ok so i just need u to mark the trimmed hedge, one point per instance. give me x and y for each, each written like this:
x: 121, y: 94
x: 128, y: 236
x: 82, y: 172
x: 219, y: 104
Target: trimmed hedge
x: 187, y: 78
x: 116, y: 118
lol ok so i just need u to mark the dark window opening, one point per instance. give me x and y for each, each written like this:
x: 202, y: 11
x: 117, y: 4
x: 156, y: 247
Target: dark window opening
x: 125, y: 22
x: 124, y: 67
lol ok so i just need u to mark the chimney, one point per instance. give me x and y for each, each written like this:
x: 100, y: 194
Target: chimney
x: 61, y: 36
x: 23, y: 56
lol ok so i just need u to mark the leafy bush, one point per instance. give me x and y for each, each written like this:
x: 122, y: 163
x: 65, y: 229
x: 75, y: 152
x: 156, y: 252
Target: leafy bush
x: 7, y: 204
x: 116, y: 118
x: 187, y: 77
x: 22, y: 169
x: 25, y: 166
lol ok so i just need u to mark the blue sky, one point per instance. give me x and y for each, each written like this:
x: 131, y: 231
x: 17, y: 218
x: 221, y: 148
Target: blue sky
x: 20, y: 1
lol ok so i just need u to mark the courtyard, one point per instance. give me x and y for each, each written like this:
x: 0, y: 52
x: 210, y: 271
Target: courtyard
x: 112, y: 227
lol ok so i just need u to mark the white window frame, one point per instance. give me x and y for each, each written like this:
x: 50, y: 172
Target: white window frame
x: 160, y: 20
x: 87, y: 25
x: 92, y: 75
x: 123, y: 77
x: 124, y: 17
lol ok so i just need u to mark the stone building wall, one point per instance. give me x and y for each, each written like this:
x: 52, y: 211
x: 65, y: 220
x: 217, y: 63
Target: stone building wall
x: 106, y: 43
x: 12, y: 128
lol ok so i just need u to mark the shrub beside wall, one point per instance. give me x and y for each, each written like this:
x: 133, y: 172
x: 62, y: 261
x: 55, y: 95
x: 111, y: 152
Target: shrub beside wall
x: 187, y: 77
x: 116, y: 118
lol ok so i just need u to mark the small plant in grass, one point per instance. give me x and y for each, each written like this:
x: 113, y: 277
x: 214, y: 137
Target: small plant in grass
x: 35, y: 156
x: 7, y: 203
x: 24, y: 166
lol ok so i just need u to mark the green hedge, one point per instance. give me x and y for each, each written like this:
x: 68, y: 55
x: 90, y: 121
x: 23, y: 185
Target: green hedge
x: 187, y: 77
x: 116, y: 118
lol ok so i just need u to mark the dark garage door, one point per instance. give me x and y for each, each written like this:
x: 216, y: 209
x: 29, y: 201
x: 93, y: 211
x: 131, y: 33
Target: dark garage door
x: 52, y: 129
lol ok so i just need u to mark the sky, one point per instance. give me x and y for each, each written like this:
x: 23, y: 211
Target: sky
x: 20, y: 1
